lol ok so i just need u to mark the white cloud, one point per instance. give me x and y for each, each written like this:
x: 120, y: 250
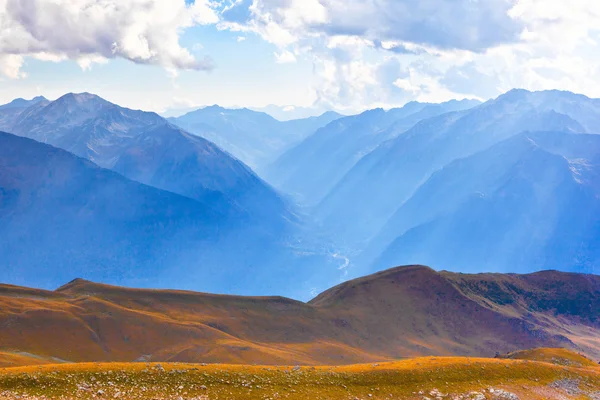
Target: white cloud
x: 457, y: 24
x: 86, y: 61
x: 90, y: 31
x: 407, y: 85
x: 386, y: 52
x: 10, y: 66
x: 285, y: 57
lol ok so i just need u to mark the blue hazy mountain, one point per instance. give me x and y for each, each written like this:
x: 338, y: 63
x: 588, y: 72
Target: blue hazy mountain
x: 144, y: 147
x: 11, y: 111
x: 62, y: 216
x: 370, y: 193
x: 527, y: 203
x: 23, y: 103
x: 254, y: 137
x: 312, y: 168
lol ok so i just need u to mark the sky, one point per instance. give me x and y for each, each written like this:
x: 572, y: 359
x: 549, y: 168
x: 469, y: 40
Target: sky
x: 346, y: 55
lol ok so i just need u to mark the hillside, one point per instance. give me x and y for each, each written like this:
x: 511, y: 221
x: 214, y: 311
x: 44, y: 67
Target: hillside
x: 403, y: 312
x: 10, y: 112
x: 527, y: 203
x: 313, y: 167
x: 420, y: 378
x: 63, y: 216
x: 552, y: 356
x: 387, y: 177
x: 144, y: 147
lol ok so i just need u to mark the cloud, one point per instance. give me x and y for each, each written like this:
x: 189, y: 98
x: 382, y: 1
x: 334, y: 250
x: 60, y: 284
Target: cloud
x: 285, y: 57
x: 385, y: 52
x: 473, y: 25
x: 10, y: 66
x: 90, y: 31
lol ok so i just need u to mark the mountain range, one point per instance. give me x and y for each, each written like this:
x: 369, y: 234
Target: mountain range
x: 509, y: 185
x: 390, y: 174
x: 146, y: 148
x: 61, y: 215
x: 254, y: 137
x: 226, y: 229
x: 311, y: 169
x: 402, y: 312
x: 527, y: 203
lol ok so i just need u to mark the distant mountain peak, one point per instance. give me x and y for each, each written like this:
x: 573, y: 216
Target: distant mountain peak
x: 80, y: 98
x: 214, y: 107
x: 23, y: 103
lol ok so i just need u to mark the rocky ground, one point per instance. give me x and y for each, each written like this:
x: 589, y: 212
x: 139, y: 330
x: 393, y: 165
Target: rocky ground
x: 423, y: 379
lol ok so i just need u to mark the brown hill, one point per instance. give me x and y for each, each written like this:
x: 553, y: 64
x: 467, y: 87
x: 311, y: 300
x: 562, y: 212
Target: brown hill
x: 553, y: 356
x: 402, y: 312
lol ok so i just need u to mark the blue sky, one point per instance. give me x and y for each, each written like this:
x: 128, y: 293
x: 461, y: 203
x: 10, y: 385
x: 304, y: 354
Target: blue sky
x: 347, y: 55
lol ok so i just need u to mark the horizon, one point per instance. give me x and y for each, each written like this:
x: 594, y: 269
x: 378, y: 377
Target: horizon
x: 171, y: 114
x: 305, y: 57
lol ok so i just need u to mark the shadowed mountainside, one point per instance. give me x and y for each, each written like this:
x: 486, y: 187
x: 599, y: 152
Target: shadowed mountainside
x: 401, y: 312
x: 528, y: 203
x: 63, y: 216
x: 144, y: 147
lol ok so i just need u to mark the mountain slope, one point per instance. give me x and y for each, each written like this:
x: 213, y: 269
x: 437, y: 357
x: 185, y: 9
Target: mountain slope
x: 10, y: 112
x: 405, y: 311
x: 61, y: 216
x: 254, y: 137
x: 312, y: 168
x: 385, y: 178
x: 144, y: 147
x: 528, y: 203
x: 22, y: 103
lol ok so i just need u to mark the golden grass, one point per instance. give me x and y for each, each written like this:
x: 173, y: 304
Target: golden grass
x: 556, y: 356
x: 9, y: 359
x: 408, y: 379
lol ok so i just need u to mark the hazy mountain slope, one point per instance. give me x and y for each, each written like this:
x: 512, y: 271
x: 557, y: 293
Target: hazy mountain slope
x: 311, y: 169
x: 22, y: 103
x: 401, y: 312
x: 144, y: 147
x: 389, y: 175
x: 10, y: 112
x: 254, y: 137
x: 62, y: 216
x: 528, y: 203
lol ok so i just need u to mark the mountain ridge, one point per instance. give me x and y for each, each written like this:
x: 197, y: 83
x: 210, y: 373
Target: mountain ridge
x: 523, y: 187
x: 393, y: 171
x: 402, y: 312
x: 313, y: 167
x: 62, y: 215
x: 146, y: 148
x: 252, y: 136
